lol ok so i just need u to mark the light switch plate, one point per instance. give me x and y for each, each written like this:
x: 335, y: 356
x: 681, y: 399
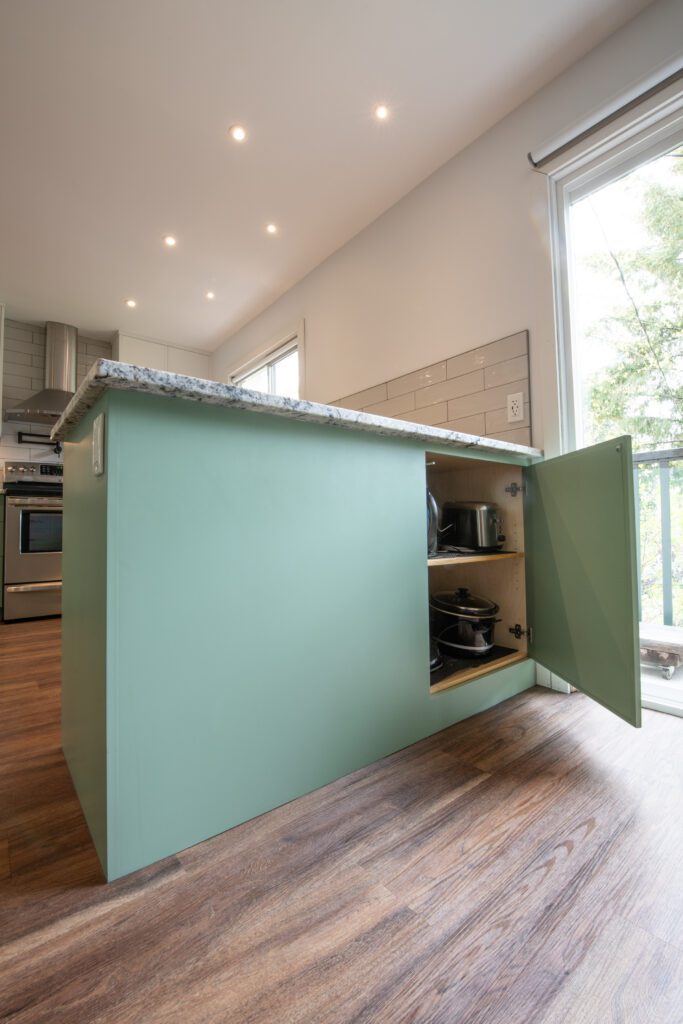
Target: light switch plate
x: 98, y: 445
x: 516, y: 407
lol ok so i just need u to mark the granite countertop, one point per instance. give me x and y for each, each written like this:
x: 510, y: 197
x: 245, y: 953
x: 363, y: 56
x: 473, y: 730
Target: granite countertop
x: 106, y: 373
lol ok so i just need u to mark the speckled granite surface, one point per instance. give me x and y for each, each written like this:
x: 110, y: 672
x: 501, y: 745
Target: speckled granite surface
x: 106, y: 373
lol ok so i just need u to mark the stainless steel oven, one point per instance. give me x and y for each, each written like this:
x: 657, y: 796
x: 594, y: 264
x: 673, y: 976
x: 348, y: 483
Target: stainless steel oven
x: 33, y: 542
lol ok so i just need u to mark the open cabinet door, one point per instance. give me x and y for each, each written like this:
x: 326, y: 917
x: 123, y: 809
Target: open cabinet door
x: 579, y: 526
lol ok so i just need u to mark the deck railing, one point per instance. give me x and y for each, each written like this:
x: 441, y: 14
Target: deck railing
x: 664, y: 459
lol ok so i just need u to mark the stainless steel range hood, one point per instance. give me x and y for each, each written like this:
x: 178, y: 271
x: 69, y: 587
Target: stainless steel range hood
x: 60, y: 378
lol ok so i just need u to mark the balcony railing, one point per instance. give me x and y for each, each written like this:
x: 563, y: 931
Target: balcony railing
x: 644, y: 461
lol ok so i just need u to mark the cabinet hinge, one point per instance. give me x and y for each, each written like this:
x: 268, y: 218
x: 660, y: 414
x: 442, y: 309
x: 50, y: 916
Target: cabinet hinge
x: 518, y: 632
x: 514, y: 489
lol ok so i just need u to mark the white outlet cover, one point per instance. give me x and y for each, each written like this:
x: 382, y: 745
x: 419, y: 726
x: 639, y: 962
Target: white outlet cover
x: 516, y: 407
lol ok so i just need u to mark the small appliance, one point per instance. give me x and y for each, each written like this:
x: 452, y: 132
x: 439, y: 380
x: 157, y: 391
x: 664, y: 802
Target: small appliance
x: 462, y: 623
x: 476, y: 525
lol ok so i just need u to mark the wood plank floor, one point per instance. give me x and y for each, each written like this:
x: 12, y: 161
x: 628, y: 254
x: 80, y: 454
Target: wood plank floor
x: 523, y: 867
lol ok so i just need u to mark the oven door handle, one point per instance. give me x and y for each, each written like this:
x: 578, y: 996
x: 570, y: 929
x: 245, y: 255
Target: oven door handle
x: 37, y: 505
x: 28, y: 588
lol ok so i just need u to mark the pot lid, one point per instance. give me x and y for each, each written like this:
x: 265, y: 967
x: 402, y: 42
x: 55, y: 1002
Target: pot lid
x: 463, y: 602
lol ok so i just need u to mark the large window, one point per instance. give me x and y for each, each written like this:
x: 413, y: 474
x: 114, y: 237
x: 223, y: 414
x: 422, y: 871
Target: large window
x: 276, y: 374
x: 626, y: 273
x: 620, y: 248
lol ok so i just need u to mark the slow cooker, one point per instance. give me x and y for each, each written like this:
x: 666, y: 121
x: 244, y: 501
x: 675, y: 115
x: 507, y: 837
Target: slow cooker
x: 462, y: 623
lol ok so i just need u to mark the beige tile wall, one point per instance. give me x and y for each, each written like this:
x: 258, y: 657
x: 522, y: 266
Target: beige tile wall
x: 467, y: 393
x: 24, y: 374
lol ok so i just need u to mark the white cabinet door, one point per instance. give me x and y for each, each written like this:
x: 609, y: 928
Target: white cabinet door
x: 192, y: 364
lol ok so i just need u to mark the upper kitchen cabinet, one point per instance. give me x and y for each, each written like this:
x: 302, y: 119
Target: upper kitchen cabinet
x: 563, y: 588
x: 157, y: 356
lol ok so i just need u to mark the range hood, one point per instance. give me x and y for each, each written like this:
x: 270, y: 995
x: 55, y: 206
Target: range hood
x: 60, y: 378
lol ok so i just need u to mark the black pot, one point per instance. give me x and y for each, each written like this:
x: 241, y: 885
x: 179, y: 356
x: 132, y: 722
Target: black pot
x: 463, y: 624
x: 435, y: 659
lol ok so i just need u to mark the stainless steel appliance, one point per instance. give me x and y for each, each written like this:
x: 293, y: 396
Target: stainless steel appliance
x: 463, y: 623
x: 61, y: 342
x: 472, y: 524
x: 432, y: 524
x: 32, y: 584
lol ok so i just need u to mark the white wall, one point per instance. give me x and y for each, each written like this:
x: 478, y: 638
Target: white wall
x: 465, y: 257
x: 157, y: 356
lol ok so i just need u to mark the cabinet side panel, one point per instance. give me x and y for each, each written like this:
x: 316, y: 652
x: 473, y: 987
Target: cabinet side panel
x: 269, y: 617
x: 84, y: 629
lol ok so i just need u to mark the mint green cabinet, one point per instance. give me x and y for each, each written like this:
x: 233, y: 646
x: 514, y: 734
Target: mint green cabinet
x: 576, y: 595
x: 245, y: 618
x: 246, y: 611
x: 579, y: 521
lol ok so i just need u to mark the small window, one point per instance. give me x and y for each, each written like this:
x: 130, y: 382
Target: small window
x: 276, y: 375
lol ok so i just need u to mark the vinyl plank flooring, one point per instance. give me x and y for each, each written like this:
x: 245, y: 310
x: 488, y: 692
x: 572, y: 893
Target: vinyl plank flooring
x: 4, y: 859
x: 628, y: 976
x: 522, y: 867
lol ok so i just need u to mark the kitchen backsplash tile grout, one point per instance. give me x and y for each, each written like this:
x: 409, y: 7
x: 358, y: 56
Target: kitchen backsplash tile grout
x: 466, y: 392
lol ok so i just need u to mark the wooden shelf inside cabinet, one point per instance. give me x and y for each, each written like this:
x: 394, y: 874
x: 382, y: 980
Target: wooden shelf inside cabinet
x: 466, y: 675
x: 468, y: 559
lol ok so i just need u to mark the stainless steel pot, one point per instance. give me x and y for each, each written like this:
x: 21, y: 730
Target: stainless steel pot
x: 462, y: 623
x: 432, y: 524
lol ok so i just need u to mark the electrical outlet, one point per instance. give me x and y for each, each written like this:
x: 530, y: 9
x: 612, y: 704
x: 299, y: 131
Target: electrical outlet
x: 516, y: 407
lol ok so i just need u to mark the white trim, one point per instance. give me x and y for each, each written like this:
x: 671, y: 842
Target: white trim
x: 273, y: 355
x: 626, y: 96
x: 650, y: 115
x: 649, y: 134
x: 292, y: 339
x: 666, y: 707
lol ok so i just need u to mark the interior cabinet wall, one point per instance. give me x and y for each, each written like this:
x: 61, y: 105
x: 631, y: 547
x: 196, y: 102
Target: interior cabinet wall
x: 503, y: 581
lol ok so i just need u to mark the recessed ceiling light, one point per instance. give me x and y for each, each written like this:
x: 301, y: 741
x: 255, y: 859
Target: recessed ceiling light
x: 210, y: 295
x: 381, y: 112
x: 170, y: 241
x: 238, y: 133
x: 271, y: 229
x: 131, y: 303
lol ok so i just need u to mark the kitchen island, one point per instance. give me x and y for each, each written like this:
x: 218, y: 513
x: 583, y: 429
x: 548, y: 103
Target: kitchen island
x: 245, y: 603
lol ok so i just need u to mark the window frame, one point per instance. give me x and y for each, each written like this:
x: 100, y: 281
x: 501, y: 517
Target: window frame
x: 655, y: 131
x: 269, y: 356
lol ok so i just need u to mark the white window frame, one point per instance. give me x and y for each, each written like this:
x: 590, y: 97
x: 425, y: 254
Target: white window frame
x: 271, y: 354
x: 651, y: 132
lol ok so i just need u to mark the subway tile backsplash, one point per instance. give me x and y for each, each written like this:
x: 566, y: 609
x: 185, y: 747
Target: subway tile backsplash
x: 24, y: 374
x: 467, y: 392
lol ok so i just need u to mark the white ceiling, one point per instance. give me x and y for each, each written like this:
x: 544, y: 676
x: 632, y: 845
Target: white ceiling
x: 113, y: 133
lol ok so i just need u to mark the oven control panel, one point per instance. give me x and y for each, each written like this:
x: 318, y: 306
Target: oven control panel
x: 15, y: 472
